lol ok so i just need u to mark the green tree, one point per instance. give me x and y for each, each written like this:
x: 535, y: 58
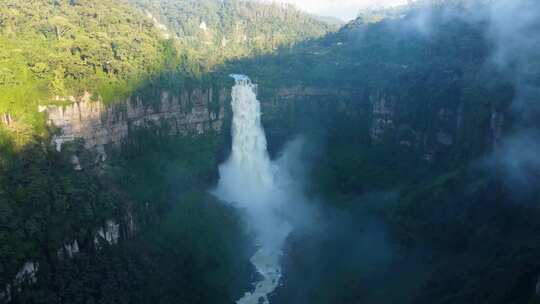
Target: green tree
x: 57, y: 85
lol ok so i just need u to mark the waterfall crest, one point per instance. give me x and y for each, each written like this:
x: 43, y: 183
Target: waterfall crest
x: 250, y: 181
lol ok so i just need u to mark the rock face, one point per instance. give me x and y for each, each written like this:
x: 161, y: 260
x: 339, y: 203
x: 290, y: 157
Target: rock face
x: 109, y: 233
x: 100, y: 126
x: 68, y: 250
x: 294, y: 102
x: 432, y: 128
x: 27, y: 273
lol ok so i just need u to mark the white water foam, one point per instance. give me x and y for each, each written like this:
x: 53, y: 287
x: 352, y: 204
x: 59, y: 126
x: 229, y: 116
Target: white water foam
x: 249, y: 180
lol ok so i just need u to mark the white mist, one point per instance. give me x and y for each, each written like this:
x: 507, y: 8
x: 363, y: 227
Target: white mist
x: 250, y: 181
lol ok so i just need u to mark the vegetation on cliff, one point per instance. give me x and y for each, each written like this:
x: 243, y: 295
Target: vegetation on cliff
x: 61, y: 48
x: 114, y: 50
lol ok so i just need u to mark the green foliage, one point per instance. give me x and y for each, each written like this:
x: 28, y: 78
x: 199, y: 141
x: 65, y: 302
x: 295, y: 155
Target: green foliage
x: 479, y: 228
x: 168, y: 263
x: 188, y: 269
x: 64, y: 48
x: 156, y: 170
x: 456, y: 232
x: 57, y: 85
x: 214, y: 31
x: 44, y: 204
x: 162, y: 181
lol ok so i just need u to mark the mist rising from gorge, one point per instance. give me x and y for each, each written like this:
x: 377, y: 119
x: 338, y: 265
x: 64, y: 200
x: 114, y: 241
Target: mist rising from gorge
x: 510, y: 29
x: 263, y: 189
x: 516, y: 54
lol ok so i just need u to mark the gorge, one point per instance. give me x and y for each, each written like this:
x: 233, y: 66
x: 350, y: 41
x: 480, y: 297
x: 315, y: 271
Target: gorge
x: 392, y: 159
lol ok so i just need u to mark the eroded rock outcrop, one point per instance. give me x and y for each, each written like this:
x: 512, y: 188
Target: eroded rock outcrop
x: 99, y: 125
x: 68, y: 250
x: 27, y: 273
x: 109, y: 233
x: 433, y: 128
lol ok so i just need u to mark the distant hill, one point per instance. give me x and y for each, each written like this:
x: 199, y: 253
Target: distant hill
x: 233, y: 28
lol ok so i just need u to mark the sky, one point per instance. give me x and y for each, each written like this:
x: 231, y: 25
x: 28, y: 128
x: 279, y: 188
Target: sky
x: 342, y: 9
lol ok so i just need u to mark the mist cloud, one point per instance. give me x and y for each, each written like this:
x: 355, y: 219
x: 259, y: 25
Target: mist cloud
x: 514, y: 29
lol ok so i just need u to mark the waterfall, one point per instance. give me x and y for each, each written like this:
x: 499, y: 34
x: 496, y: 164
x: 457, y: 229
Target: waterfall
x: 250, y: 181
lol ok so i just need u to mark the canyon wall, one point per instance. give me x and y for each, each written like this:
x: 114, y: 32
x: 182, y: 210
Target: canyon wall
x: 102, y: 126
x: 435, y: 130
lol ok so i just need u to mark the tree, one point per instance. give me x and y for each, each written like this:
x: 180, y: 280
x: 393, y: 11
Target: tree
x: 57, y: 85
x: 62, y: 26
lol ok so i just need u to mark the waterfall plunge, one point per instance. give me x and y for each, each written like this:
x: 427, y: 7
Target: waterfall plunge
x: 250, y: 181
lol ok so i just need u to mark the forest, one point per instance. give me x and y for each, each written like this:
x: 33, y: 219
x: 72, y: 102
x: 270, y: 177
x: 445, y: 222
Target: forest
x: 404, y: 146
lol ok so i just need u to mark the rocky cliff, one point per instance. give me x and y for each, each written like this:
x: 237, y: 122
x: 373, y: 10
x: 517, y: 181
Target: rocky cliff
x: 435, y: 130
x: 103, y: 126
x: 432, y: 129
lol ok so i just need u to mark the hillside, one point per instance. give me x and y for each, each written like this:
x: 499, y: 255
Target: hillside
x: 221, y: 30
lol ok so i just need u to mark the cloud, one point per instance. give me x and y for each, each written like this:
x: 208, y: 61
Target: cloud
x: 514, y: 29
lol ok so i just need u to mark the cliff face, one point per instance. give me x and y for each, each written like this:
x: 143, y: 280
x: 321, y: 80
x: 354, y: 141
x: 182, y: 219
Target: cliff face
x: 431, y: 129
x: 101, y: 126
x: 297, y: 103
x: 434, y: 130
